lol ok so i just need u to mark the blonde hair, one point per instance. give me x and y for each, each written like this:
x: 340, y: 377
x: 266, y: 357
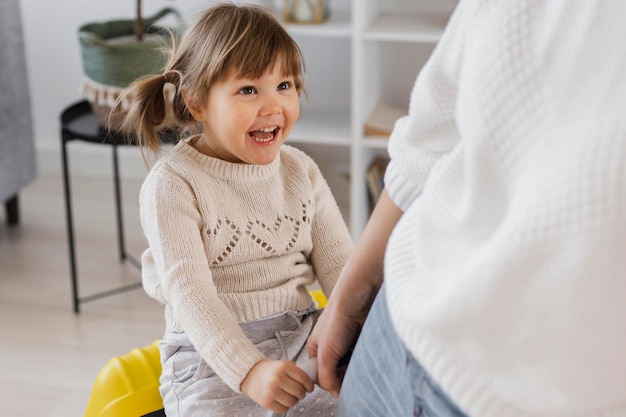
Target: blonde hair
x: 225, y: 39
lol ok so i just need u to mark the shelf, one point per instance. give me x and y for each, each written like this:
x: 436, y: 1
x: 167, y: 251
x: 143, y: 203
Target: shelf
x: 373, y: 142
x: 367, y: 51
x: 337, y: 26
x: 406, y: 28
x: 326, y: 127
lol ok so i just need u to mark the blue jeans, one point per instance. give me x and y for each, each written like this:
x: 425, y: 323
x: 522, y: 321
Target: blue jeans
x: 384, y: 380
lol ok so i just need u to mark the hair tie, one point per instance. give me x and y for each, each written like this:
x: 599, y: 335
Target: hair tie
x: 171, y: 77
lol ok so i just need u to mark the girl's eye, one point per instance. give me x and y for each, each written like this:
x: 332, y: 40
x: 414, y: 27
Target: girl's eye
x: 284, y: 85
x: 247, y: 90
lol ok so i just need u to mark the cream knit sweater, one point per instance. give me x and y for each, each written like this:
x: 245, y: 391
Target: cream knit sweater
x: 232, y: 243
x: 506, y: 276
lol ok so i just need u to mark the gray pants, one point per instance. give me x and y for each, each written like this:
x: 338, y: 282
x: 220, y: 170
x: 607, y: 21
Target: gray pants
x: 190, y: 388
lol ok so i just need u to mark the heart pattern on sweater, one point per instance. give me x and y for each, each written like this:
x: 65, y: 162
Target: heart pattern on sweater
x: 279, y: 236
x: 232, y: 235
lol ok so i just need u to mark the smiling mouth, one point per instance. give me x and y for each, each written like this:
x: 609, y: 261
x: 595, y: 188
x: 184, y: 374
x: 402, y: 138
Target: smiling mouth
x: 263, y: 135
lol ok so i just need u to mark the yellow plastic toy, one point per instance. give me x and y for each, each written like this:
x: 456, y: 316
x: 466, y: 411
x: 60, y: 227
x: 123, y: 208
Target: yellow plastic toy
x: 319, y: 298
x: 128, y: 385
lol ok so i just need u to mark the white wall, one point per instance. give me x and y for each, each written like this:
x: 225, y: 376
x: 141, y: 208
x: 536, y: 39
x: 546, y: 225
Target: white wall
x: 54, y: 70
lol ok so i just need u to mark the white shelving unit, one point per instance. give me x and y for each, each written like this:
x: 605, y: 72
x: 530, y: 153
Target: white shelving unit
x: 368, y: 51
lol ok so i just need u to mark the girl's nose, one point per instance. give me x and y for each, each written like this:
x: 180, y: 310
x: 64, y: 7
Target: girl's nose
x: 271, y: 105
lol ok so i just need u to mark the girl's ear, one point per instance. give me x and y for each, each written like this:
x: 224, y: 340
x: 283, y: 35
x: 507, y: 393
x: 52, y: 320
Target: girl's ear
x: 192, y: 105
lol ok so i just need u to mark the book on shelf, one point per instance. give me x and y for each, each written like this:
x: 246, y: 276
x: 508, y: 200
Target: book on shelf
x: 382, y: 118
x: 375, y: 177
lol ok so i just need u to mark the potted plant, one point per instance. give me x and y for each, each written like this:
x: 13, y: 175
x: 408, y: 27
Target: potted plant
x: 117, y: 52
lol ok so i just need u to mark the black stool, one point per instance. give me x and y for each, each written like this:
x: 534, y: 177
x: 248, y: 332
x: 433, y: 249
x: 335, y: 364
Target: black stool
x: 78, y: 122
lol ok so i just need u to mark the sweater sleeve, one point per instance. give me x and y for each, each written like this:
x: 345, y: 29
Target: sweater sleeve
x: 332, y: 242
x: 179, y: 275
x: 419, y: 140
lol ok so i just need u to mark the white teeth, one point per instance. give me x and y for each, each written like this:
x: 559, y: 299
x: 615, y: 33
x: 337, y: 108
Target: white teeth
x: 269, y: 130
x: 264, y: 140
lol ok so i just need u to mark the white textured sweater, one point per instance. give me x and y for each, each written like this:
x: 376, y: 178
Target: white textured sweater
x: 506, y: 275
x: 232, y: 243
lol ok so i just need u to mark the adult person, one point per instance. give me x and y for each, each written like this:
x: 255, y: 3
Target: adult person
x: 502, y: 229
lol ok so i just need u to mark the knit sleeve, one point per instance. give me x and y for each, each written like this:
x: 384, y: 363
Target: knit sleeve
x: 419, y: 140
x: 172, y: 225
x: 332, y: 242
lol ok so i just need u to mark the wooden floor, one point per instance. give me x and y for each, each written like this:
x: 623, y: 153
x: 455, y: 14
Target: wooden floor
x: 49, y: 356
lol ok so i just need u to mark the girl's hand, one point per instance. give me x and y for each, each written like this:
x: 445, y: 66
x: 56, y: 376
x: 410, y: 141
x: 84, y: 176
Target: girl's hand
x: 276, y: 385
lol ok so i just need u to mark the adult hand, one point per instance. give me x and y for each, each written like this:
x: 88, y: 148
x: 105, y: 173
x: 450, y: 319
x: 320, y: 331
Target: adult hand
x: 332, y: 338
x: 276, y: 385
x: 340, y: 324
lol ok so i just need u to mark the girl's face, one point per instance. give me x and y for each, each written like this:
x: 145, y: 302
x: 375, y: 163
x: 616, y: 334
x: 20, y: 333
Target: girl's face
x: 247, y: 120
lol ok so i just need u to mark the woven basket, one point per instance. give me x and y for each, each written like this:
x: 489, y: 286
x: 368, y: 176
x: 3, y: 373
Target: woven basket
x: 113, y: 58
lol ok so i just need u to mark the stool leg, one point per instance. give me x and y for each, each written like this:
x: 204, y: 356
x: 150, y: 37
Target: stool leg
x: 70, y: 224
x: 118, y: 204
x: 11, y: 207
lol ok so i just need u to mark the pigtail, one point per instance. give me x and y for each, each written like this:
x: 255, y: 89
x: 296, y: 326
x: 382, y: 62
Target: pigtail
x: 140, y: 110
x: 180, y: 112
x: 149, y: 106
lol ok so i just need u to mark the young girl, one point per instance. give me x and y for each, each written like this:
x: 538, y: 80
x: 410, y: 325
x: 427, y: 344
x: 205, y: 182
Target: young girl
x: 238, y: 224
